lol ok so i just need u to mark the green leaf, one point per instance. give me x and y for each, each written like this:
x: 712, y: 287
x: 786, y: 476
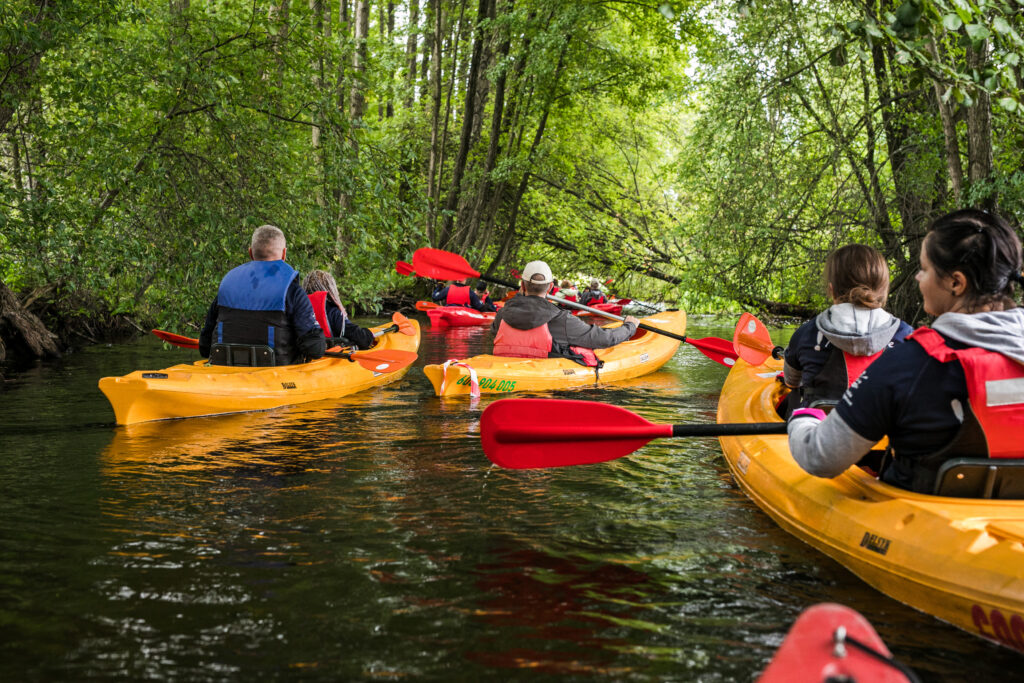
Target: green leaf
x: 952, y: 22
x: 1001, y: 25
x: 977, y: 32
x: 667, y: 11
x: 871, y: 28
x: 1008, y: 103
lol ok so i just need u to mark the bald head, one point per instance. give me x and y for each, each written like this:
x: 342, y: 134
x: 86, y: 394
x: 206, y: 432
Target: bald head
x: 267, y: 244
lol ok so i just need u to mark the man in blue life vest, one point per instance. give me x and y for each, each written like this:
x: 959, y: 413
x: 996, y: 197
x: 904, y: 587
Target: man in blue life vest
x: 460, y: 294
x: 261, y: 303
x: 530, y: 326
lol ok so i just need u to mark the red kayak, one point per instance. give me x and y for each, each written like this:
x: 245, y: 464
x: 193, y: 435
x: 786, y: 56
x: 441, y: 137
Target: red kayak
x: 458, y: 316
x: 831, y: 642
x: 614, y: 309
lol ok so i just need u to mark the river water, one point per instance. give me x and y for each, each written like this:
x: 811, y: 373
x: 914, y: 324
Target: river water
x: 368, y: 538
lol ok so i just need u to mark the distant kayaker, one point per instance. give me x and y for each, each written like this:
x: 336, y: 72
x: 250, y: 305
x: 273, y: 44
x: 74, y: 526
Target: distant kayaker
x: 953, y: 390
x: 260, y: 304
x: 484, y: 296
x: 330, y: 312
x: 827, y: 353
x: 594, y: 295
x: 529, y: 326
x: 458, y: 293
x: 568, y: 291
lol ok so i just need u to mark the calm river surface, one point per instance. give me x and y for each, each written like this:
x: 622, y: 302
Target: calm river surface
x: 368, y: 538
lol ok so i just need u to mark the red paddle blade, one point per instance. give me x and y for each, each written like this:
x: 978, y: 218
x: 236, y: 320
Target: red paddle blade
x: 384, y: 360
x: 752, y: 341
x: 403, y: 268
x: 608, y: 282
x: 522, y: 433
x: 441, y: 265
x: 177, y: 339
x: 514, y: 272
x: 426, y: 305
x: 404, y: 325
x: 623, y: 302
x: 717, y: 349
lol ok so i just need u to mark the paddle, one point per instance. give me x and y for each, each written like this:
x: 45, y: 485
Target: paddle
x: 177, y: 339
x: 753, y: 342
x: 444, y: 265
x: 426, y: 305
x: 383, y: 360
x: 400, y: 324
x: 403, y: 268
x: 524, y: 433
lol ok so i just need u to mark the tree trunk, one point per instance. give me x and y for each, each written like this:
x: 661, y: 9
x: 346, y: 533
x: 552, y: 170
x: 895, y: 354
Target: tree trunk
x: 357, y: 108
x: 979, y: 129
x: 952, y: 143
x: 461, y: 157
x: 410, y: 53
x: 434, y: 85
x: 493, y: 149
x: 22, y: 330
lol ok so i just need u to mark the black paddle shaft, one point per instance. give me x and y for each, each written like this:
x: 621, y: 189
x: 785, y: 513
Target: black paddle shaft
x: 734, y: 429
x: 572, y: 304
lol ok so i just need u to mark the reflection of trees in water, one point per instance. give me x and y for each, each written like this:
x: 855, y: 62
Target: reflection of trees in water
x: 557, y: 614
x: 441, y: 343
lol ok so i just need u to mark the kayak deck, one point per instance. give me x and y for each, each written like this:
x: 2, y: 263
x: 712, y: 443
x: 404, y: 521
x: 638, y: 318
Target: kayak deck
x: 644, y: 353
x: 197, y: 389
x: 961, y: 560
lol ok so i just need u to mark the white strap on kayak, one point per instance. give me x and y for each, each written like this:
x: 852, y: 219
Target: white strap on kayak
x: 474, y: 384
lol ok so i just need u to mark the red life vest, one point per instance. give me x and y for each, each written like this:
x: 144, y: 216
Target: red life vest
x: 597, y: 298
x: 995, y: 391
x: 319, y: 302
x: 483, y: 296
x: 554, y: 290
x: 570, y: 298
x: 534, y: 343
x: 458, y: 295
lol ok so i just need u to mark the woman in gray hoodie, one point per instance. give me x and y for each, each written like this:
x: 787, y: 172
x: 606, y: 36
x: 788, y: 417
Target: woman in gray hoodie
x: 953, y: 390
x: 827, y: 354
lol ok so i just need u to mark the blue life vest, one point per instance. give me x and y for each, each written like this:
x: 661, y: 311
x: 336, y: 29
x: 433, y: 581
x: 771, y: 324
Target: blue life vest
x: 251, y: 308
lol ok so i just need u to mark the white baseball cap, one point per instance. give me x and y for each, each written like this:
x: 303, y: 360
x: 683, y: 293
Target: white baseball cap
x: 538, y: 273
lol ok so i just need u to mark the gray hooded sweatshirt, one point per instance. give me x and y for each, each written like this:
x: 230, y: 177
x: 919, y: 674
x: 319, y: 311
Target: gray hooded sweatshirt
x: 854, y: 329
x: 827, y: 448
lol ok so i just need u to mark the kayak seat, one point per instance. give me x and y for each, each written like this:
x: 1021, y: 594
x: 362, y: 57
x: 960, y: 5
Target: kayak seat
x: 1001, y: 478
x: 242, y: 355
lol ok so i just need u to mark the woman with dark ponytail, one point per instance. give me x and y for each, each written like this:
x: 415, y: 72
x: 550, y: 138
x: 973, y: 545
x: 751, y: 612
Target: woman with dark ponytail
x: 955, y: 389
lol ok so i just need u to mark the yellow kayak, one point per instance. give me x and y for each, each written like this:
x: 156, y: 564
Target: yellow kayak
x: 644, y: 353
x: 958, y: 559
x: 194, y: 389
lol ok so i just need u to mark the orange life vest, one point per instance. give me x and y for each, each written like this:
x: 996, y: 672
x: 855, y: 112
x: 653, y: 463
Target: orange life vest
x: 533, y: 343
x: 995, y: 391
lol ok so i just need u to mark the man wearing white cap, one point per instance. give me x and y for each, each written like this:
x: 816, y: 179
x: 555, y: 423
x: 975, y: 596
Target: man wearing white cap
x: 529, y: 326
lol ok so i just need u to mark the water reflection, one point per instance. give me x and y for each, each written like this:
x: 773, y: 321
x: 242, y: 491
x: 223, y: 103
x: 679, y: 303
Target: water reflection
x: 367, y: 537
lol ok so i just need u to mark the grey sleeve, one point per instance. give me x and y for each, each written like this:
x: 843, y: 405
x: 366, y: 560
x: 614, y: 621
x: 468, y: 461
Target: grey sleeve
x: 791, y: 375
x: 826, y: 448
x: 569, y: 329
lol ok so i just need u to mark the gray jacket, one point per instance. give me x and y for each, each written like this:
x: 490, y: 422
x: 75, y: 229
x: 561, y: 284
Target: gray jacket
x: 527, y: 312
